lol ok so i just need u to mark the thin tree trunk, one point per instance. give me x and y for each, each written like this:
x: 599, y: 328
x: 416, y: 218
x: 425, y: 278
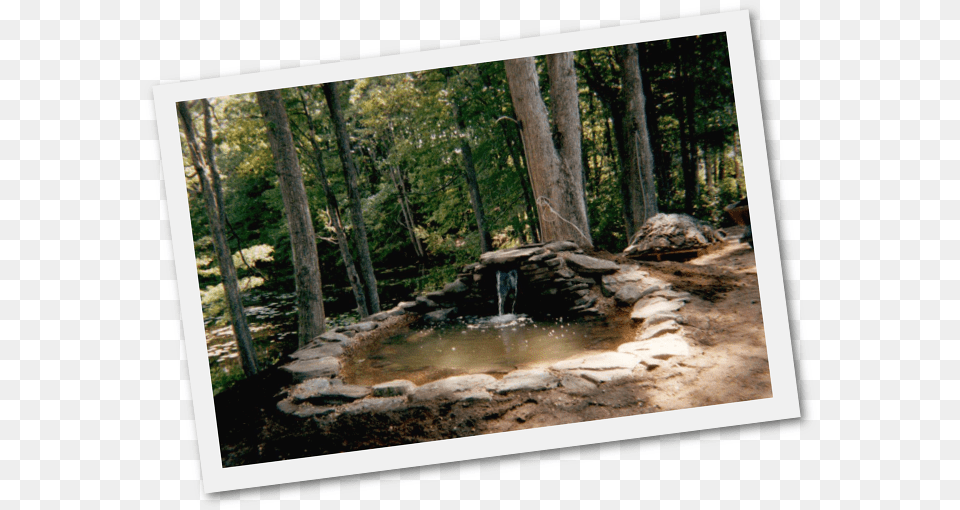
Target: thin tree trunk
x: 709, y: 166
x: 737, y: 173
x: 522, y: 176
x: 228, y: 273
x: 685, y: 116
x: 660, y: 162
x: 559, y: 196
x: 356, y: 207
x: 303, y: 238
x: 640, y: 200
x: 333, y: 210
x: 470, y: 173
x: 405, y: 209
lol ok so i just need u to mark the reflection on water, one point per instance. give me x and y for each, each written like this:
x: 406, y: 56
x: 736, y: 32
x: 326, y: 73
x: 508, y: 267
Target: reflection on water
x: 422, y: 355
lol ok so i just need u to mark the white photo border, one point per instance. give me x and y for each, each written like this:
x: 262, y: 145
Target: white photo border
x: 783, y: 405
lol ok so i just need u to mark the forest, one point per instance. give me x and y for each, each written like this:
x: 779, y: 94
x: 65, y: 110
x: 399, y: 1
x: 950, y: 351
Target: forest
x: 317, y: 206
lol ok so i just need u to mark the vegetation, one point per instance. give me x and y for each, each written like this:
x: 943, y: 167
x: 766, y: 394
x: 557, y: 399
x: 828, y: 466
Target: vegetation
x: 383, y: 187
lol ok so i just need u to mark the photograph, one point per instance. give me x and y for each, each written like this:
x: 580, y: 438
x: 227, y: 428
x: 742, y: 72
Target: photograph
x: 468, y: 250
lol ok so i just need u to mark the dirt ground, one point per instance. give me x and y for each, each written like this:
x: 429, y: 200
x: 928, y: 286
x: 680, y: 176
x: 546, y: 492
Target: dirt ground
x: 723, y: 318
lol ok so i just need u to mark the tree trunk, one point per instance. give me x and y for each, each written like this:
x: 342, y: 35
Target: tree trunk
x: 356, y: 207
x: 470, y: 173
x: 522, y: 176
x: 684, y: 103
x: 660, y: 163
x: 228, y: 273
x: 333, y: 210
x: 565, y: 104
x: 709, y: 167
x: 303, y: 238
x: 397, y: 177
x: 737, y: 173
x: 640, y: 199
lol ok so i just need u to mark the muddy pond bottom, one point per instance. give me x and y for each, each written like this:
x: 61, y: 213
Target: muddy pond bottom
x: 422, y: 355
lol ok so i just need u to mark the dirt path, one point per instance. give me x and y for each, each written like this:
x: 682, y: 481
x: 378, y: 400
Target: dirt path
x: 723, y: 320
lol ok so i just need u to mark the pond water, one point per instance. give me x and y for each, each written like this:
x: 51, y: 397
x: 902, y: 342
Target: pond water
x: 426, y: 354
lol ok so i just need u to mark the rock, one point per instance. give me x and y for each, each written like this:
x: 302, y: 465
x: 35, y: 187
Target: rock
x: 661, y: 348
x: 608, y: 376
x: 601, y: 361
x: 309, y: 388
x: 525, y: 380
x: 649, y: 308
x: 477, y: 395
x: 554, y: 263
x: 331, y: 336
x: 440, y: 315
x: 628, y: 295
x: 406, y: 305
x: 425, y: 304
x: 325, y: 349
x: 665, y: 233
x: 307, y: 410
x: 394, y: 388
x: 503, y: 257
x: 585, y: 264
x: 660, y: 328
x: 374, y: 405
x: 338, y: 394
x: 455, y: 287
x: 663, y: 317
x: 363, y: 327
x: 302, y: 370
x: 672, y: 294
x: 542, y: 257
x: 576, y: 384
x: 452, y: 387
x: 287, y: 406
x: 380, y: 316
x: 566, y: 273
x: 561, y: 246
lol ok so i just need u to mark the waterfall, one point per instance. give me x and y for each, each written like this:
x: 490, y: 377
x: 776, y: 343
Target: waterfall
x: 506, y: 289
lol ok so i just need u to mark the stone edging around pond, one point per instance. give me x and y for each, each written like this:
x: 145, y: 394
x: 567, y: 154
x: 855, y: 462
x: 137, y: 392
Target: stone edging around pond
x: 660, y: 341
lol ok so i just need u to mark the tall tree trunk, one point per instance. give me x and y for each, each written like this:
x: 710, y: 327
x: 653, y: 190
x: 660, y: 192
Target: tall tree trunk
x: 684, y: 102
x: 303, y: 238
x: 228, y: 273
x: 409, y: 222
x: 660, y: 161
x: 640, y: 199
x: 333, y: 210
x: 470, y: 174
x: 737, y: 173
x: 709, y: 167
x: 565, y: 103
x: 356, y: 207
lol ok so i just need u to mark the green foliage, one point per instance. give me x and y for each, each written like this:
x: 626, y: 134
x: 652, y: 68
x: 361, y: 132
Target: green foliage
x: 214, y: 299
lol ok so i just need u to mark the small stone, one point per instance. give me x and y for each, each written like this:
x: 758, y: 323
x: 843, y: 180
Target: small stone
x: 576, y: 384
x: 543, y: 256
x: 380, y: 316
x: 477, y: 395
x: 649, y: 308
x: 658, y: 329
x: 524, y: 380
x: 455, y: 287
x: 503, y: 257
x: 307, y: 410
x: 451, y: 387
x: 627, y: 295
x: 561, y: 246
x: 302, y: 370
x: 566, y: 273
x: 374, y: 405
x: 672, y: 294
x: 287, y: 406
x: 363, y: 327
x: 608, y: 376
x: 585, y: 264
x: 660, y: 348
x: 394, y: 388
x: 338, y: 394
x: 601, y: 361
x: 325, y: 349
x: 334, y: 337
x: 309, y: 388
x: 440, y: 315
x: 425, y: 304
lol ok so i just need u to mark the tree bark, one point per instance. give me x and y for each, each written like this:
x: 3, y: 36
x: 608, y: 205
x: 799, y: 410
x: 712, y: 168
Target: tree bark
x: 523, y: 177
x: 212, y: 200
x: 333, y: 210
x: 660, y: 162
x: 470, y: 174
x: 303, y: 238
x: 685, y: 103
x: 640, y: 199
x: 356, y: 207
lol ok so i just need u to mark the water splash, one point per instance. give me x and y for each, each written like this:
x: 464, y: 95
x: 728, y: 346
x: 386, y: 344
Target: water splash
x: 506, y: 290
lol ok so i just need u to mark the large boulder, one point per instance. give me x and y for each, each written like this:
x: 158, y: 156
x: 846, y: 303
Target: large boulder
x: 671, y: 233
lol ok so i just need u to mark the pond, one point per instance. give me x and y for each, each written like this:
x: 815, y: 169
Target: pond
x: 424, y: 354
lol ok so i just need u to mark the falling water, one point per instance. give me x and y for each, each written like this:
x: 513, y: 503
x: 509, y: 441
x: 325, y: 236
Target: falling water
x: 506, y: 289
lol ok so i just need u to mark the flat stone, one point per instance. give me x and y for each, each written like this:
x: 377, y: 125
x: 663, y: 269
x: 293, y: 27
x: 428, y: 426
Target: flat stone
x: 309, y: 388
x: 406, y: 305
x: 450, y: 387
x: 525, y: 380
x: 287, y: 406
x: 455, y: 287
x: 585, y: 264
x: 380, y: 316
x: 566, y: 273
x: 440, y: 315
x: 628, y: 295
x: 307, y: 410
x: 338, y: 394
x: 325, y: 349
x: 607, y: 376
x: 311, y: 368
x: 502, y: 257
x: 576, y: 384
x: 663, y: 317
x: 477, y: 395
x: 649, y: 308
x: 658, y: 329
x: 363, y: 327
x: 425, y: 304
x: 601, y: 361
x: 374, y: 405
x: 543, y: 256
x: 672, y: 294
x: 331, y: 336
x: 561, y: 246
x: 661, y: 348
x: 394, y: 388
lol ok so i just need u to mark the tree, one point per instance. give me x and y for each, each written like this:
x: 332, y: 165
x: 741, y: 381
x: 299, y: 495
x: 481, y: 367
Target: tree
x: 213, y: 200
x: 556, y: 186
x: 303, y: 238
x: 356, y: 207
x: 333, y: 210
x: 639, y: 186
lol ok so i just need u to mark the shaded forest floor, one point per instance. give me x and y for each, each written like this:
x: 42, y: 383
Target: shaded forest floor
x: 723, y: 320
